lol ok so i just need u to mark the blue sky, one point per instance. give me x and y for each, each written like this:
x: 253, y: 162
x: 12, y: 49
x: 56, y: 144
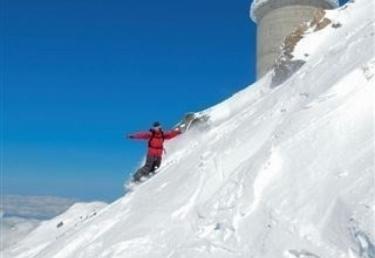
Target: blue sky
x: 79, y: 74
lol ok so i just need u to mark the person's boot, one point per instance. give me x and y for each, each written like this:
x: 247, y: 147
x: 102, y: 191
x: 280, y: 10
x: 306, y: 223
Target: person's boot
x: 137, y: 177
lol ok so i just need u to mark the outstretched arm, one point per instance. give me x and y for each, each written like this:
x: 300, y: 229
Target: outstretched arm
x: 140, y: 136
x: 171, y: 134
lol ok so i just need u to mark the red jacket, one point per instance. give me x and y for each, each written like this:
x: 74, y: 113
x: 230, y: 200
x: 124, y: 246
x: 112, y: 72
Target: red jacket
x: 156, y: 140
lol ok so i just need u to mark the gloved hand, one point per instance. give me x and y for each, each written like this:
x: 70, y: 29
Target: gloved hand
x: 130, y: 136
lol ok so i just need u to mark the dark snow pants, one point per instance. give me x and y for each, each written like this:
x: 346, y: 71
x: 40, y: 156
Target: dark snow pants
x: 152, y: 163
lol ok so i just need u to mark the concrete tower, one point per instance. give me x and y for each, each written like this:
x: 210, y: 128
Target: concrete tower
x: 276, y: 19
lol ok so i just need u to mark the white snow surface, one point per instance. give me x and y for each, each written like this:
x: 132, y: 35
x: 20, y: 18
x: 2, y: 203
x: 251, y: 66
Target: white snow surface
x: 47, y: 232
x: 286, y: 172
x: 14, y: 229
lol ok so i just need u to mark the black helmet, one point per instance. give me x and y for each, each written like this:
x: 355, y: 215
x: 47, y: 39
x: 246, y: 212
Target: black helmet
x: 156, y: 124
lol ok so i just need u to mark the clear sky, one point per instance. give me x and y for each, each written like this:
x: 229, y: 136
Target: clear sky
x: 79, y: 74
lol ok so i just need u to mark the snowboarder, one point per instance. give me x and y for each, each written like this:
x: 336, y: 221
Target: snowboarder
x: 155, y: 137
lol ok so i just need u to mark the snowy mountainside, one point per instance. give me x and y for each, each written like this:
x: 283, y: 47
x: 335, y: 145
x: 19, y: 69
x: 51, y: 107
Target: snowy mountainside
x: 15, y: 229
x: 51, y: 230
x: 20, y: 214
x: 279, y: 172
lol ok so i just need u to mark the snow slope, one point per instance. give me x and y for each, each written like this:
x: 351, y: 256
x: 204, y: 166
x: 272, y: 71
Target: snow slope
x: 19, y: 215
x: 284, y: 172
x: 13, y: 229
x: 52, y: 230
